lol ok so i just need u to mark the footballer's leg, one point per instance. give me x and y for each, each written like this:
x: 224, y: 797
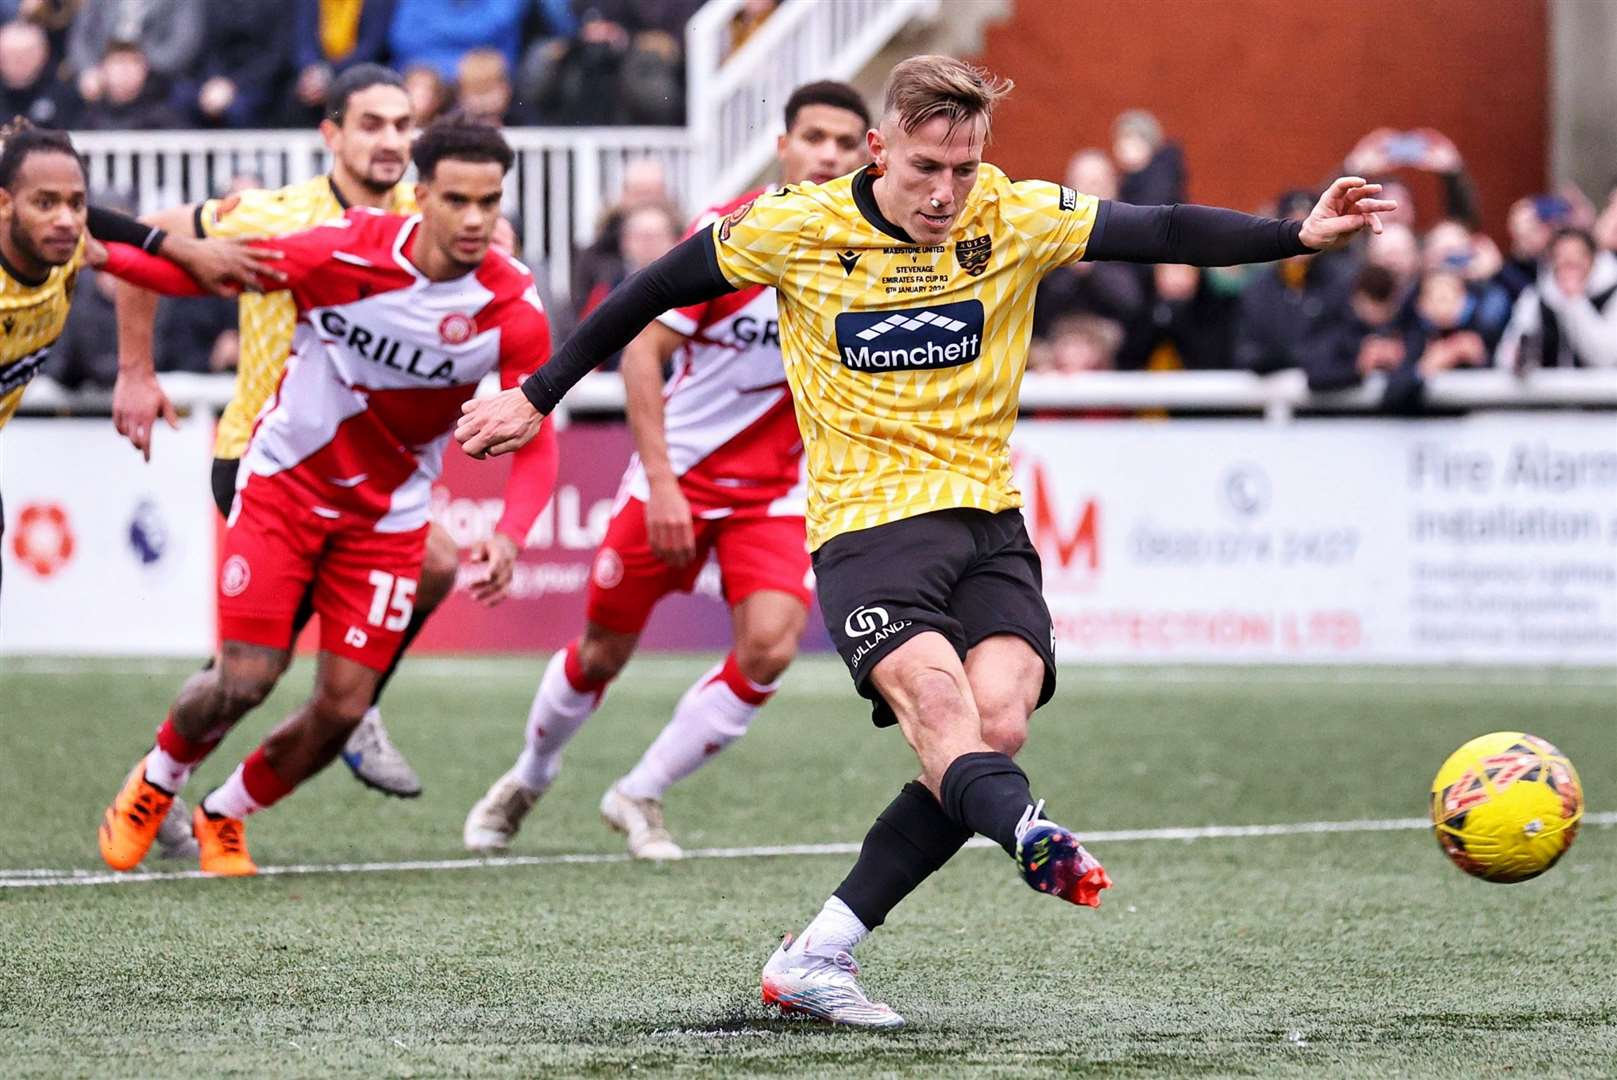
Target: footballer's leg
x: 267, y: 566
x: 765, y: 570
x: 883, y: 592
x: 298, y: 748
x: 370, y: 753
x: 570, y: 690
x: 626, y: 581
x: 363, y: 589
x: 713, y: 713
x: 1005, y: 674
x: 1010, y: 662
x: 211, y: 701
x: 959, y: 674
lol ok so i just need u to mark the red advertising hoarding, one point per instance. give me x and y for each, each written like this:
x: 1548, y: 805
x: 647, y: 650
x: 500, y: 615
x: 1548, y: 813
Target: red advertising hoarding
x: 546, y: 606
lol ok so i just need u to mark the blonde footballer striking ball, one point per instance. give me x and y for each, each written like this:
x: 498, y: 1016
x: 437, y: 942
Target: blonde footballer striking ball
x: 1506, y: 806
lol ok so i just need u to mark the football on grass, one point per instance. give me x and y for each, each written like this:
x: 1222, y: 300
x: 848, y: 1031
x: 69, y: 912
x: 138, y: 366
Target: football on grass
x: 1506, y: 806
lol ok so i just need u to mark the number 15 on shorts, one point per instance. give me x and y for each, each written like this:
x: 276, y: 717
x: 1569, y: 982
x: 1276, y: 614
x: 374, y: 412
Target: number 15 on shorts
x: 393, y: 601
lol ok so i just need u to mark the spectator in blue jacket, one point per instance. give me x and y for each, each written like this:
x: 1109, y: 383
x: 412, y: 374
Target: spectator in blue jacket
x: 439, y: 32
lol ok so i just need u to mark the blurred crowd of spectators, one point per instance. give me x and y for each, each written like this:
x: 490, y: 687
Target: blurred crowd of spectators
x: 141, y: 65
x: 1425, y: 296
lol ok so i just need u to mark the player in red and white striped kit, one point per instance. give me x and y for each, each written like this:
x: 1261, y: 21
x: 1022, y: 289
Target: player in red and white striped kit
x: 718, y: 472
x: 398, y: 320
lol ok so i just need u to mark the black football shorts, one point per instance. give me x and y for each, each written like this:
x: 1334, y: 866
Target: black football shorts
x: 967, y: 574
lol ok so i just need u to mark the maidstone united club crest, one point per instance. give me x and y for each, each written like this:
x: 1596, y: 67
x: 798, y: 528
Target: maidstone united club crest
x: 972, y: 255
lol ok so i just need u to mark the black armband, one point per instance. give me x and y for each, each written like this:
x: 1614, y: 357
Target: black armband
x: 689, y: 274
x: 109, y: 226
x: 1197, y: 235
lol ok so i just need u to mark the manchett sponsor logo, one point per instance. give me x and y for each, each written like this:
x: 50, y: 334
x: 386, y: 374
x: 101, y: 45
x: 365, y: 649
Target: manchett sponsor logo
x: 944, y: 335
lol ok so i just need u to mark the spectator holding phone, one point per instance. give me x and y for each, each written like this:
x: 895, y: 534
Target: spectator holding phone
x: 1386, y: 150
x: 1451, y: 247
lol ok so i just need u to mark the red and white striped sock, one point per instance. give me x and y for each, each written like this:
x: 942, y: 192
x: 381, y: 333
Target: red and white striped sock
x: 254, y: 786
x: 711, y: 715
x: 173, y: 756
x: 564, y: 700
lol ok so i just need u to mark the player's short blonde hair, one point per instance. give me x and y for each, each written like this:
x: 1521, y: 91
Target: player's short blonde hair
x: 924, y: 87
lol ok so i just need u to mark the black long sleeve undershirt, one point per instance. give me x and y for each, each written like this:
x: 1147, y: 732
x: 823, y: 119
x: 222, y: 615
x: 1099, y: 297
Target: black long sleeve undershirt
x: 109, y: 226
x: 689, y: 274
x: 1197, y: 235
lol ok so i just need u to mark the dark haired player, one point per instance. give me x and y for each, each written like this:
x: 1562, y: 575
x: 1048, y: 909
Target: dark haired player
x: 44, y: 218
x: 399, y: 319
x: 718, y: 470
x: 368, y: 128
x: 906, y: 295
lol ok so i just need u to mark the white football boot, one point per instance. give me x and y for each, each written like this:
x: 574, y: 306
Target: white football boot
x: 825, y: 987
x: 495, y: 818
x: 376, y: 762
x: 641, y: 820
x: 174, y: 837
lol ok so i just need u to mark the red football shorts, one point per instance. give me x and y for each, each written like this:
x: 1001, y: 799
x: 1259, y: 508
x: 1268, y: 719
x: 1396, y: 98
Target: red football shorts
x: 279, y: 548
x: 754, y: 553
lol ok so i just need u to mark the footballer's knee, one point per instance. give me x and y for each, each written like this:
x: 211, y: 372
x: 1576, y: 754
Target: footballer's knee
x: 244, y: 677
x: 342, y: 693
x: 603, y: 653
x: 1005, y: 730
x: 438, y: 568
x: 768, y: 628
x: 764, y: 659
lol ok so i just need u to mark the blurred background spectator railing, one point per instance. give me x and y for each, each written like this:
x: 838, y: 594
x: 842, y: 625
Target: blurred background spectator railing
x: 1097, y: 395
x: 734, y: 92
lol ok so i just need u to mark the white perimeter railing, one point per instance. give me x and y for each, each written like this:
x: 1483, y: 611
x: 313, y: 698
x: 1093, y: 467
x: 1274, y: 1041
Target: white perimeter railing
x: 562, y: 180
x: 735, y: 102
x: 1278, y: 397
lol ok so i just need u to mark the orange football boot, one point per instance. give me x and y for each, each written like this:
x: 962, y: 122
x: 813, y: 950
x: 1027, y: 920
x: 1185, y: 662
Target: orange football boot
x: 223, y: 845
x: 130, y: 824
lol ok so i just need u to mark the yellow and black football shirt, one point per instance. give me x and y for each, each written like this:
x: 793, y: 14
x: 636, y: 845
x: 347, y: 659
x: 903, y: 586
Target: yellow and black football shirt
x: 905, y: 360
x: 32, y: 315
x: 266, y: 320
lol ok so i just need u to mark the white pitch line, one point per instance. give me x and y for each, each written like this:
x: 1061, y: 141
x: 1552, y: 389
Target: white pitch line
x: 46, y: 878
x: 1146, y: 675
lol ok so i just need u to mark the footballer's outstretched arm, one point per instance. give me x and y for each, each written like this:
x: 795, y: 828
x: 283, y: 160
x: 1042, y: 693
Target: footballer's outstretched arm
x: 225, y: 267
x: 1212, y: 236
x: 689, y: 274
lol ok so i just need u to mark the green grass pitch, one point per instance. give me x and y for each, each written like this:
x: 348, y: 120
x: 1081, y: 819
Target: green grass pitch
x: 1346, y: 954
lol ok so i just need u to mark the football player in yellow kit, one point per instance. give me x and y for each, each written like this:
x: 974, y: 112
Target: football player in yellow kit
x: 369, y: 128
x: 906, y: 299
x: 47, y: 234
